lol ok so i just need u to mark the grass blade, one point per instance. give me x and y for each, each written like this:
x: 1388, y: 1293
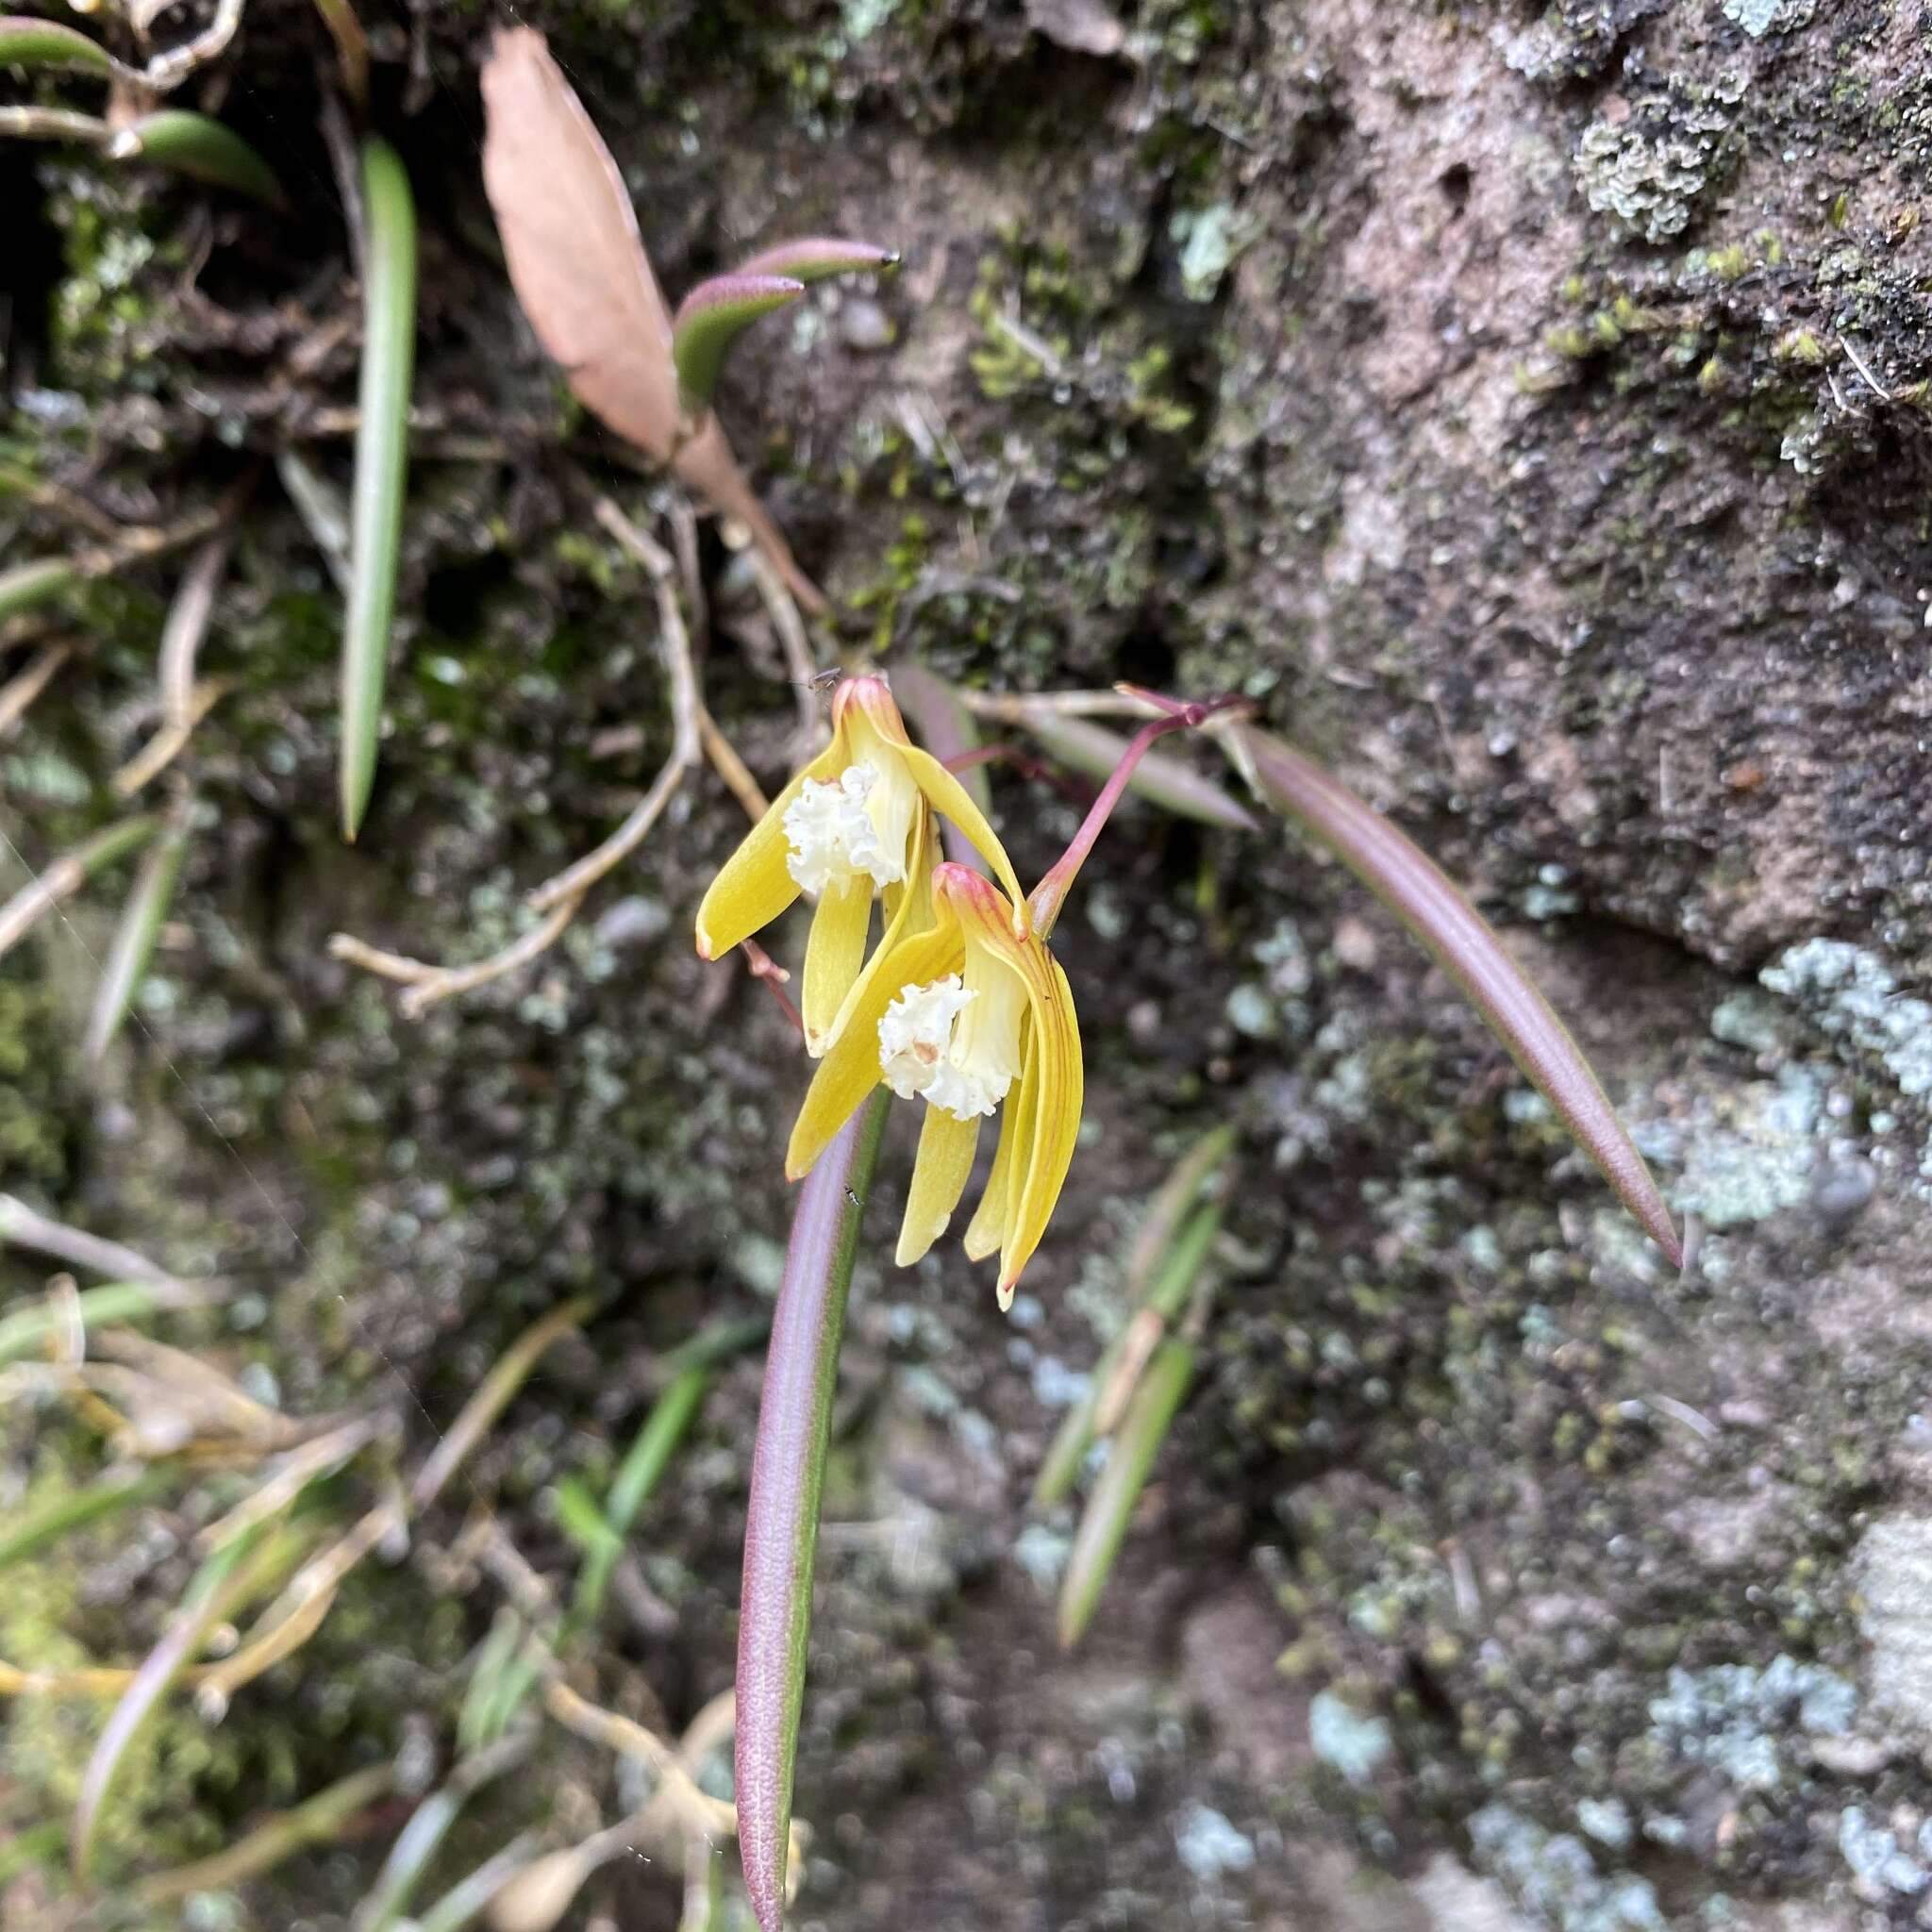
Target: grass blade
x: 29, y: 584
x: 782, y: 1516
x: 117, y: 1491
x: 316, y: 1820
x: 1118, y: 1372
x: 68, y: 874
x: 135, y: 937
x: 203, y: 149
x: 1171, y: 783
x: 223, y: 1581
x: 1420, y: 895
x: 382, y: 460
x: 1103, y: 1525
x: 24, y: 1330
x: 463, y: 1903
x: 637, y: 1478
x: 422, y: 1838
x: 492, y: 1397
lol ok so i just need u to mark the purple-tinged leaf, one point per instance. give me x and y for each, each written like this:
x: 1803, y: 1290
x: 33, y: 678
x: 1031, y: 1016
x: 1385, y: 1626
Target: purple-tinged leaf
x: 817, y: 259
x: 570, y: 237
x: 787, y: 1474
x: 1418, y: 893
x: 712, y: 317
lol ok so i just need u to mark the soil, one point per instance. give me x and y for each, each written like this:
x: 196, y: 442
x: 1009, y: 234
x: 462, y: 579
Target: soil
x: 1527, y: 410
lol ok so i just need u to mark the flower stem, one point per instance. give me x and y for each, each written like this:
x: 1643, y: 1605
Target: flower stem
x: 1049, y: 895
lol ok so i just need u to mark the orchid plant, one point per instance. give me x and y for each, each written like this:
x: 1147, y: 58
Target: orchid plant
x: 959, y: 1003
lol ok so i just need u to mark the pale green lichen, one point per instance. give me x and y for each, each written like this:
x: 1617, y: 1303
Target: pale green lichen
x: 1651, y: 169
x: 1346, y: 1740
x: 1760, y: 17
x: 1855, y: 997
x: 1738, y: 1718
x: 1555, y: 1878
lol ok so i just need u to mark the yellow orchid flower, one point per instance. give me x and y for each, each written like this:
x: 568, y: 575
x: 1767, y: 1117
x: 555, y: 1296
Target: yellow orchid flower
x: 856, y: 823
x: 967, y: 1016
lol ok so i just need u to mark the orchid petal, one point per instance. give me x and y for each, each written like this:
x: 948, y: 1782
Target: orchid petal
x: 834, y: 955
x: 1055, y: 1126
x: 850, y: 1069
x: 951, y: 799
x: 987, y: 1231
x: 940, y: 1173
x: 754, y: 885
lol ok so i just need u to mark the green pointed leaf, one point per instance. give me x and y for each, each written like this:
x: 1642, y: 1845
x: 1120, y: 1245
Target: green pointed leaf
x: 712, y: 317
x: 45, y: 46
x: 382, y: 460
x: 1104, y: 1524
x: 194, y: 146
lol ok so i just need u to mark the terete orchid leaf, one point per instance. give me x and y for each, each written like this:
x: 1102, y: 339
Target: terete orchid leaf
x: 782, y: 1514
x: 712, y: 317
x: 1420, y: 895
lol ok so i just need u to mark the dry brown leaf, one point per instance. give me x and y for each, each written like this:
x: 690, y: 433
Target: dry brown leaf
x: 577, y: 263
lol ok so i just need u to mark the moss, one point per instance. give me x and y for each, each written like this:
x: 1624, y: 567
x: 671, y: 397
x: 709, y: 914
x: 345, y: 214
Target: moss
x: 33, y: 1133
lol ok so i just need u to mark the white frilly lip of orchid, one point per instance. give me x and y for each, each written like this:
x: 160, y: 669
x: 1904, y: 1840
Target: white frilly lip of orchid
x: 975, y: 1021
x: 861, y: 822
x: 953, y: 1045
x: 856, y: 824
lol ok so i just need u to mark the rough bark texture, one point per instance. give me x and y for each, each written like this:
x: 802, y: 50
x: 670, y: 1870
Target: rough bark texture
x: 1529, y: 411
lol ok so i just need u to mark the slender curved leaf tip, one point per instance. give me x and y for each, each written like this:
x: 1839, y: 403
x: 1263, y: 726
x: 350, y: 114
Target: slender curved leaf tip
x: 712, y: 317
x: 782, y: 1513
x: 46, y: 44
x: 1110, y: 1509
x: 1420, y: 895
x: 382, y: 458
x: 818, y: 258
x: 206, y: 150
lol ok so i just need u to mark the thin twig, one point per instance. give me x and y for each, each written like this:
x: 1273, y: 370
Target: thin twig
x: 686, y: 740
x: 171, y: 741
x: 428, y: 982
x: 45, y: 494
x: 166, y: 71
x: 20, y: 690
x: 22, y: 1227
x: 53, y: 124
x: 792, y: 641
x: 731, y: 768
x: 185, y: 625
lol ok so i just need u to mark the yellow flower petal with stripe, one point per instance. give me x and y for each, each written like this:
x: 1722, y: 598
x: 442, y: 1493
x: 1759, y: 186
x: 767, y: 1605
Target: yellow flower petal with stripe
x: 856, y: 823
x: 969, y: 1017
x: 940, y: 1173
